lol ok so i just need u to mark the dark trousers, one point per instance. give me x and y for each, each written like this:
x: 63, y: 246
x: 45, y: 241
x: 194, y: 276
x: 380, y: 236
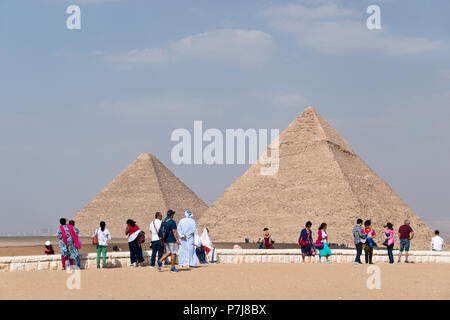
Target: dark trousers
x: 135, y: 251
x: 156, y: 248
x: 201, y: 255
x: 391, y: 256
x: 368, y: 253
x: 358, y: 252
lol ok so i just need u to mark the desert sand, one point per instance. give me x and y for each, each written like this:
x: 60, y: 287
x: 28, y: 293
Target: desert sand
x: 220, y: 281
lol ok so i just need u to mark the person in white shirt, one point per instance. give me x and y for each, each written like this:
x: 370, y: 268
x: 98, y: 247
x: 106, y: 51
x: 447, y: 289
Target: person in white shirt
x: 156, y: 244
x: 437, y: 242
x: 103, y: 236
x: 210, y: 248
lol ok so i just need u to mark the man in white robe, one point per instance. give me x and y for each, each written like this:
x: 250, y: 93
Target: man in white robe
x: 210, y: 248
x: 186, y: 231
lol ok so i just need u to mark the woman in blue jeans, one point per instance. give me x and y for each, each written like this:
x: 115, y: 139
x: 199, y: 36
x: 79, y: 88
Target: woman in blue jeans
x: 389, y: 240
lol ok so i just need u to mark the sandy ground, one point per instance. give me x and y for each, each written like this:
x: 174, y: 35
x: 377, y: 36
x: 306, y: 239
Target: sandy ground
x: 225, y: 281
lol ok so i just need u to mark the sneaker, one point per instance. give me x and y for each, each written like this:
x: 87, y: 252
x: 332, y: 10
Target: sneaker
x: 173, y: 269
x: 406, y: 261
x: 152, y: 267
x: 159, y: 265
x: 98, y: 267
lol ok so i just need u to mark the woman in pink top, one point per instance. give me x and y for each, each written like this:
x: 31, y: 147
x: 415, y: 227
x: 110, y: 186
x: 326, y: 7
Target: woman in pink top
x: 389, y: 240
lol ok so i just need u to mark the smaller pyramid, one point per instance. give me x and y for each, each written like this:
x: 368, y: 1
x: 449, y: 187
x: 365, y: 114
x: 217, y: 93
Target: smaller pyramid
x: 142, y: 189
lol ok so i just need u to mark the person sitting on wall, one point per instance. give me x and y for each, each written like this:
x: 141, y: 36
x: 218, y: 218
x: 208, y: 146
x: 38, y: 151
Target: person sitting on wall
x: 48, y: 248
x: 267, y: 241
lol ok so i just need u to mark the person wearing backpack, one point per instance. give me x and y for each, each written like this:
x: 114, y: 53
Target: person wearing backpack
x: 156, y: 244
x: 168, y: 232
x: 306, y: 243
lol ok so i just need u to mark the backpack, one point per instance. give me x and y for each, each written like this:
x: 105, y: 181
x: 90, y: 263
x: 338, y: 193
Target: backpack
x: 141, y: 237
x: 164, y: 231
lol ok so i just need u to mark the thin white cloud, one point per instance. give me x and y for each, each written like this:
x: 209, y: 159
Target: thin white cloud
x: 225, y: 46
x: 331, y: 29
x: 232, y: 46
x: 145, y: 56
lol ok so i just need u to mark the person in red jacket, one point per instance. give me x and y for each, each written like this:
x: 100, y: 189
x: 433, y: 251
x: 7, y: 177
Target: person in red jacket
x: 368, y: 246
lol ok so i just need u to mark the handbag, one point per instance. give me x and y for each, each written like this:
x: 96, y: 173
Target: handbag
x: 303, y: 243
x: 141, y: 237
x: 319, y: 245
x: 95, y: 238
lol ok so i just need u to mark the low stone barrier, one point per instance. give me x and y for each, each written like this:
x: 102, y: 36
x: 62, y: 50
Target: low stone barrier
x: 122, y: 259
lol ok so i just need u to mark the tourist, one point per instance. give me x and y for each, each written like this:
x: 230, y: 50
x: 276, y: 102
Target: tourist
x: 209, y: 246
x: 322, y: 238
x: 186, y: 232
x: 48, y: 248
x: 200, y: 249
x: 156, y: 245
x: 359, y: 239
x: 389, y: 240
x: 133, y: 232
x: 103, y: 236
x: 68, y: 243
x: 306, y: 242
x: 370, y: 243
x: 267, y: 240
x: 437, y: 242
x: 77, y: 232
x: 406, y: 234
x: 168, y: 232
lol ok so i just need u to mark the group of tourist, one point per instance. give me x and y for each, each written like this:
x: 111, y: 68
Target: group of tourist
x: 364, y: 239
x: 309, y: 247
x: 167, y: 241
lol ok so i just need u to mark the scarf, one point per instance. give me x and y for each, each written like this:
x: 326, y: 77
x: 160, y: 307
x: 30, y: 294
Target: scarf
x: 72, y: 234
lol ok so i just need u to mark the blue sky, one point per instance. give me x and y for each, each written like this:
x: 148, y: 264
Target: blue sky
x: 77, y: 106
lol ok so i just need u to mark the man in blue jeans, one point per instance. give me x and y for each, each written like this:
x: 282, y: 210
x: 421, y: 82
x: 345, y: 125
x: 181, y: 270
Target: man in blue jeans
x: 156, y: 245
x: 359, y: 239
x: 406, y: 234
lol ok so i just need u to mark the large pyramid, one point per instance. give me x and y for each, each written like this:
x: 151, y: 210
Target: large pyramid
x: 143, y: 188
x: 320, y: 178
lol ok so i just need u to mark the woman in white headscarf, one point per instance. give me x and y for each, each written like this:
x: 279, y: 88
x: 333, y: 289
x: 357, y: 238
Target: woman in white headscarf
x: 209, y: 246
x: 186, y: 231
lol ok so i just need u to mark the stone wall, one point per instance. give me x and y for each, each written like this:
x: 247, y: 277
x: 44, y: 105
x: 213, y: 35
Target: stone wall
x: 122, y: 259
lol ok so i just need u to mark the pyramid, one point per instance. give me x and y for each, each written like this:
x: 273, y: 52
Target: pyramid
x: 321, y: 179
x: 142, y: 189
